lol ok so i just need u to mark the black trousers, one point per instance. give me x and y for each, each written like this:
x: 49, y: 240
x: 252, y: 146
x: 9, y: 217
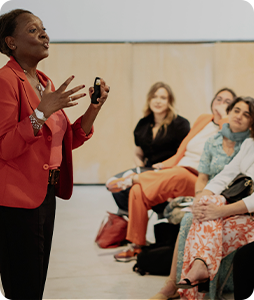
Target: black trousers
x: 25, y: 244
x: 243, y: 270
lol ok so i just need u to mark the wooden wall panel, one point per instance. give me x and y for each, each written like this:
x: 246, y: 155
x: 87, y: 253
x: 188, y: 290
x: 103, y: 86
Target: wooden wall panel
x: 187, y: 68
x: 234, y: 67
x: 194, y: 72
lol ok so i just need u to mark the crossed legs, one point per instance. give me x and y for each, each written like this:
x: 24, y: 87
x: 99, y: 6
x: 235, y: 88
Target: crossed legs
x: 155, y: 188
x: 211, y: 241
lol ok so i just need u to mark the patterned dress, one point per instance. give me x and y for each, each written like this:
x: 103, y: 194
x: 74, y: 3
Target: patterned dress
x: 213, y: 240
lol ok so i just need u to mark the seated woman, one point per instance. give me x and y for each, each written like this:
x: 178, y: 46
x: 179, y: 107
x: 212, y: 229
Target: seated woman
x: 156, y: 137
x: 218, y: 229
x: 177, y: 177
x: 218, y: 151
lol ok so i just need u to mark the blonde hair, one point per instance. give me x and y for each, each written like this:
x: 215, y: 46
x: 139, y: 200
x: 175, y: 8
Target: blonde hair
x: 171, y: 113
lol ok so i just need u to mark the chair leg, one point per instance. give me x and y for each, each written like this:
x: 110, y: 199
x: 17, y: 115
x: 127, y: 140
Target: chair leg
x: 220, y: 291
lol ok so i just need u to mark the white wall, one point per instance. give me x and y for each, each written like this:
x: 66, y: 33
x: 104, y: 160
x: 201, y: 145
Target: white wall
x: 142, y: 20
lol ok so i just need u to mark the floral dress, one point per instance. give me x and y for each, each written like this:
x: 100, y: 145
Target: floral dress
x: 213, y: 240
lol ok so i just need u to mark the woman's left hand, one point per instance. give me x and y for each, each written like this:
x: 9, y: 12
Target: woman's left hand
x: 206, y: 212
x: 222, y: 109
x: 104, y: 93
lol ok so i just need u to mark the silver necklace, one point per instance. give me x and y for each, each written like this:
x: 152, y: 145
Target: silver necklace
x: 38, y: 85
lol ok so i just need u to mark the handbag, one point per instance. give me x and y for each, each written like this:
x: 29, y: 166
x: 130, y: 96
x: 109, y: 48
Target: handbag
x: 173, y: 211
x: 112, y: 232
x: 240, y: 187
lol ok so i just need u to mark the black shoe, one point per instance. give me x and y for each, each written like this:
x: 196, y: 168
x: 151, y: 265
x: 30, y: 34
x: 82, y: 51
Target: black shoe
x: 203, y: 285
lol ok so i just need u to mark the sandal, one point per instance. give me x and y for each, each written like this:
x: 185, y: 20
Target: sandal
x: 203, y: 285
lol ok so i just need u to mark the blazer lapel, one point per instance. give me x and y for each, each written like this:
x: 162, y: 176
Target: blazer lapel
x: 31, y: 96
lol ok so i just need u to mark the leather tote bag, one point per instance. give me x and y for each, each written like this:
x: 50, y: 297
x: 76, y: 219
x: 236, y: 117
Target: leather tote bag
x: 112, y: 232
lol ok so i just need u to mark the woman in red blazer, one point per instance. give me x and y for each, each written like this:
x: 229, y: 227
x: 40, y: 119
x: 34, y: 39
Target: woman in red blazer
x: 36, y: 142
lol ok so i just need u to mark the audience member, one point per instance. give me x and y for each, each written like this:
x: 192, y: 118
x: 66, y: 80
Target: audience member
x: 218, y: 151
x: 176, y: 176
x: 218, y: 228
x: 157, y: 136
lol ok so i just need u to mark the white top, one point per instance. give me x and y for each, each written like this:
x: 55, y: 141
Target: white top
x: 242, y: 163
x: 195, y: 146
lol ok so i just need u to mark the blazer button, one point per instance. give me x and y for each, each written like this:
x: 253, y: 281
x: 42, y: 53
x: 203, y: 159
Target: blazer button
x: 49, y: 138
x: 45, y: 167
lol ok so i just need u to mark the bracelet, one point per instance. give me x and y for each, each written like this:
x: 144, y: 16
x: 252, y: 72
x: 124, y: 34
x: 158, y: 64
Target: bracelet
x: 36, y: 125
x: 197, y: 192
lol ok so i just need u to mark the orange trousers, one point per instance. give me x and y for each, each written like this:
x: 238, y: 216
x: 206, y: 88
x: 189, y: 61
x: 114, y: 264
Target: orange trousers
x: 155, y: 188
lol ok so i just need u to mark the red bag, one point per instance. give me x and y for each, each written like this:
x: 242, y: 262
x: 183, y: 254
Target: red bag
x: 112, y: 232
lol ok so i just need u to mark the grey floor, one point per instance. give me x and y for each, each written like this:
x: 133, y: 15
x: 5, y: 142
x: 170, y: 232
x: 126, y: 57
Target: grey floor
x: 78, y: 268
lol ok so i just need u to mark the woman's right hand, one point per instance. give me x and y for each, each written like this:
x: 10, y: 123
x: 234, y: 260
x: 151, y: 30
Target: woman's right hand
x: 197, y: 206
x: 54, y: 101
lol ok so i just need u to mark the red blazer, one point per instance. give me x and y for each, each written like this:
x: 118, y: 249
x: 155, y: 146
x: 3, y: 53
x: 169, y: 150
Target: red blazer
x: 24, y: 157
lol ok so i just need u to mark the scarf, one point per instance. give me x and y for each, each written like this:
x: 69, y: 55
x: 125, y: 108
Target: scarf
x: 234, y: 136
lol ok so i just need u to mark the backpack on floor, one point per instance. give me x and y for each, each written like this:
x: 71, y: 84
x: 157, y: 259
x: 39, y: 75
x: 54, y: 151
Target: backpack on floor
x: 156, y: 259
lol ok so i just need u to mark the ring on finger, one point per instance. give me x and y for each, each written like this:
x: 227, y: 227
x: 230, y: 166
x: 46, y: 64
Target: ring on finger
x: 70, y: 99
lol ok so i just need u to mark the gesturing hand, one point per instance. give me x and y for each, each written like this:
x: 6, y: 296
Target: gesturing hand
x: 54, y: 101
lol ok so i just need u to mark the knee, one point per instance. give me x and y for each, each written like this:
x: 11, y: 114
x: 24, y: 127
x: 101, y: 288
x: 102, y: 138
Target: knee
x: 135, y: 191
x: 216, y: 199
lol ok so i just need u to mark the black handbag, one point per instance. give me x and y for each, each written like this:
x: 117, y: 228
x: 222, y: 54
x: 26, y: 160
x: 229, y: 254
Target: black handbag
x: 239, y: 188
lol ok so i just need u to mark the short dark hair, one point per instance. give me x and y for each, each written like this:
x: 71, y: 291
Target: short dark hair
x: 250, y: 102
x: 222, y: 90
x: 8, y: 25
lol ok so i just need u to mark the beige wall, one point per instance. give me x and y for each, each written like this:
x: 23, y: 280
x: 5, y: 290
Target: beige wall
x: 194, y: 71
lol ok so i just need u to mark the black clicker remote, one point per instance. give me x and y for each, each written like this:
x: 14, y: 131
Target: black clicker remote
x: 97, y: 90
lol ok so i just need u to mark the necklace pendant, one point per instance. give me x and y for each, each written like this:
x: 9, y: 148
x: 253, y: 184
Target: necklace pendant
x: 38, y: 86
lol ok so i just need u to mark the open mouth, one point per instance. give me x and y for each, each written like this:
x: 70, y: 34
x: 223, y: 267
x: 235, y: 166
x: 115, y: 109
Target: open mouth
x: 46, y: 45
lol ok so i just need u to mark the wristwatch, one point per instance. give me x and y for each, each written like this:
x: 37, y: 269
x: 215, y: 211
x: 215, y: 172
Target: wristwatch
x: 40, y: 115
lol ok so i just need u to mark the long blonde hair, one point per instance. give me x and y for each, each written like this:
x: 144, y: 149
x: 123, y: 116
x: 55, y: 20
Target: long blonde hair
x: 171, y: 113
